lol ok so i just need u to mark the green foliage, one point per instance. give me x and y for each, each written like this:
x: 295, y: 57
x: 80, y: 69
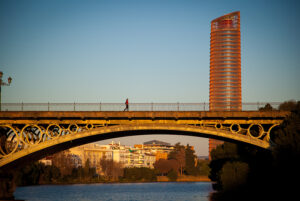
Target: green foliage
x: 289, y: 105
x: 165, y: 166
x: 88, y: 171
x: 186, y: 158
x: 267, y: 107
x: 203, y: 167
x: 178, y: 154
x: 172, y: 175
x: 286, y: 152
x: 37, y: 173
x: 225, y: 151
x: 190, y: 159
x: 174, y: 154
x: 234, y: 175
x: 257, y: 174
x: 112, y: 170
x: 287, y: 137
x: 222, y: 154
x: 139, y: 174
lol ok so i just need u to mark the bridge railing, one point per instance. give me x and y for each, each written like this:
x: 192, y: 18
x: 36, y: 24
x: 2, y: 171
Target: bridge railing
x: 247, y: 106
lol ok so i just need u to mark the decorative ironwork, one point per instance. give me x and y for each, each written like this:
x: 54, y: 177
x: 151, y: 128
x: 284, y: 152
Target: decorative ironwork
x: 30, y: 134
x: 18, y: 137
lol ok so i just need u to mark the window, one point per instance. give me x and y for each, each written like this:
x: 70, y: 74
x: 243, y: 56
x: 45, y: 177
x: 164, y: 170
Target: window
x: 228, y: 35
x: 228, y: 43
x: 227, y: 61
x: 228, y: 58
x: 228, y: 46
x: 228, y: 31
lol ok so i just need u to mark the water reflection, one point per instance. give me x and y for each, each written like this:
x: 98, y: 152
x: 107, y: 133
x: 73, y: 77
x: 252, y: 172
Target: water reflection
x: 193, y: 191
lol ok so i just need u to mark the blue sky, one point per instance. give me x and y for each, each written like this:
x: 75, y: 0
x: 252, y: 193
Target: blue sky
x: 148, y: 51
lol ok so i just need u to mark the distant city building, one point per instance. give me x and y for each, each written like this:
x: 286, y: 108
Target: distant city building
x: 93, y: 152
x: 76, y: 160
x: 125, y: 155
x: 158, y: 148
x: 46, y: 161
x: 141, y: 155
x: 156, y: 142
x: 225, y: 91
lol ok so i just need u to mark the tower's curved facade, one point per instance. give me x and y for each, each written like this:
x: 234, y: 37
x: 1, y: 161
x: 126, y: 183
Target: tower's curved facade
x: 225, y: 64
x: 225, y: 90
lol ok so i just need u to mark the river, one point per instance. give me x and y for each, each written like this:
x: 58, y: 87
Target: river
x: 168, y: 191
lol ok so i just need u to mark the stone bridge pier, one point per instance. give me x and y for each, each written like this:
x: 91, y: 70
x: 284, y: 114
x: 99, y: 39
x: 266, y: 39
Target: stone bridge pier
x: 7, y: 185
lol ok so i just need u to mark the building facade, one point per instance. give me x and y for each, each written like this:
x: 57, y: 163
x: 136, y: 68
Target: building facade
x: 127, y: 156
x: 141, y: 155
x: 225, y: 90
x: 157, y: 148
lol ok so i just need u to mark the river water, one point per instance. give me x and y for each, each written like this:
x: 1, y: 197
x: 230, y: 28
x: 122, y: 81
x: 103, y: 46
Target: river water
x: 169, y: 191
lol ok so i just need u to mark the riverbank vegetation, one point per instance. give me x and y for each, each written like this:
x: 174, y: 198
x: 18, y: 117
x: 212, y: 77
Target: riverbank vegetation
x: 181, y: 165
x: 243, y: 172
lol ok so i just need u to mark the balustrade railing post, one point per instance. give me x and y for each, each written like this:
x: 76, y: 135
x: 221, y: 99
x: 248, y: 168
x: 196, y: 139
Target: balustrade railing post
x: 177, y: 106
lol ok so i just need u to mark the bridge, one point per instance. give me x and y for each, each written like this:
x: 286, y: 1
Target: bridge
x: 32, y: 135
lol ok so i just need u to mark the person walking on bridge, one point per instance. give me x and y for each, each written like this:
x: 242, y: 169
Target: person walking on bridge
x: 127, y: 105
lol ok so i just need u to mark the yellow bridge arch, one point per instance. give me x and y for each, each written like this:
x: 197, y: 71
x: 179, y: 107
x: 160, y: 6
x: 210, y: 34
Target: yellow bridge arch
x: 33, y: 135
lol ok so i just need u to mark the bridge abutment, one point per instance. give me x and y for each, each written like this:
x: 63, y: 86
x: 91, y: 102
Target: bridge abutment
x: 7, y: 185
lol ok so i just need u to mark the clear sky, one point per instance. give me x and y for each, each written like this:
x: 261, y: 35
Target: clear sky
x: 148, y: 51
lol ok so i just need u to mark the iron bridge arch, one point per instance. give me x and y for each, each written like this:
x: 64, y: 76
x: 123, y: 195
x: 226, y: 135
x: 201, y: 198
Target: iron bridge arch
x: 27, y: 136
x: 77, y: 136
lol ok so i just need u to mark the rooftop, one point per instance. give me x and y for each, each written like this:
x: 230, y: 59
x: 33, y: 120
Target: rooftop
x: 157, y: 142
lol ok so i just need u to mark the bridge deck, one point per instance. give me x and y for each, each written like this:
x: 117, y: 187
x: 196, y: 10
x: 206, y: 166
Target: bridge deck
x: 140, y: 114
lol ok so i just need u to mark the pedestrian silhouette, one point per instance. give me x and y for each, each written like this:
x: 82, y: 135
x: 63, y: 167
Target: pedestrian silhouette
x: 126, y: 105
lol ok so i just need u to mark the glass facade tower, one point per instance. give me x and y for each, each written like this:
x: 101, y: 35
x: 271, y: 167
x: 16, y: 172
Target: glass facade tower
x: 225, y: 91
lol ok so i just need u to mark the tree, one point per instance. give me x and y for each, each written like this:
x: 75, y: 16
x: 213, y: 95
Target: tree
x: 265, y: 174
x: 139, y: 174
x: 88, y: 171
x: 288, y: 105
x: 172, y: 175
x: 165, y: 166
x: 222, y: 154
x: 267, y: 107
x: 190, y: 159
x: 178, y: 154
x: 203, y: 167
x: 37, y: 173
x: 286, y: 152
x: 234, y: 175
x: 162, y: 166
x: 111, y: 169
x: 63, y: 161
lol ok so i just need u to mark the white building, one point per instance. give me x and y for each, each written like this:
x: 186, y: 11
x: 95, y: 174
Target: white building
x: 126, y: 155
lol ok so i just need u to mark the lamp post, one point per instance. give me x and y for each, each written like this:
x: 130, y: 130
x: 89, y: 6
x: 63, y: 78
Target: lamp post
x: 3, y: 84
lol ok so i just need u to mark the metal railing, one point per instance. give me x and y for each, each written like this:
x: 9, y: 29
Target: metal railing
x: 247, y: 106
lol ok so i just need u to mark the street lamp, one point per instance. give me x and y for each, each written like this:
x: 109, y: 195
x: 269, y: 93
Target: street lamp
x: 9, y: 79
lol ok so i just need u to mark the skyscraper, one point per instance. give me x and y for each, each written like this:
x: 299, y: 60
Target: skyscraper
x: 225, y: 91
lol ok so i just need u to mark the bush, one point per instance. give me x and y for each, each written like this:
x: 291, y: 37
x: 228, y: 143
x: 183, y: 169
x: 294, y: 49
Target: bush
x: 234, y: 175
x: 139, y: 174
x: 172, y: 175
